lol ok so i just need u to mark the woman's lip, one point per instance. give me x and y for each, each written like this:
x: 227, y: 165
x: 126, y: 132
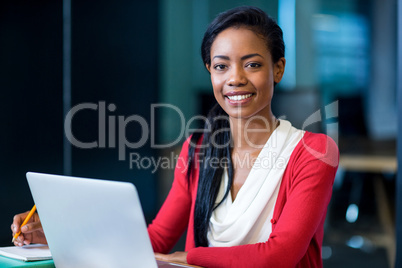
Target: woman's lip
x: 235, y: 93
x: 239, y: 102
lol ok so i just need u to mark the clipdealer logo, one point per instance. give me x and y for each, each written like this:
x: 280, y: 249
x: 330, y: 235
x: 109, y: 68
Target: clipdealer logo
x: 112, y: 132
x: 107, y: 128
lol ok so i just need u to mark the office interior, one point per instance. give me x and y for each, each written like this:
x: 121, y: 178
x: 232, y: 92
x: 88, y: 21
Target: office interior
x: 127, y: 66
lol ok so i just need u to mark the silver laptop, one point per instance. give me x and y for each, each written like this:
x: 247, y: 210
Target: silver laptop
x: 92, y: 223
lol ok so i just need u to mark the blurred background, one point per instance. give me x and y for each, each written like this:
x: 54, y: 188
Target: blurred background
x: 118, y: 59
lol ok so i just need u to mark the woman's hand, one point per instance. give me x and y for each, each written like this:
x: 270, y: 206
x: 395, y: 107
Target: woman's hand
x: 178, y: 256
x: 31, y: 232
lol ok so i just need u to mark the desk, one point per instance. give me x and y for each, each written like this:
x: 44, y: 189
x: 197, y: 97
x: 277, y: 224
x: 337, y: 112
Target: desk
x: 368, y: 163
x: 377, y: 164
x: 8, y: 262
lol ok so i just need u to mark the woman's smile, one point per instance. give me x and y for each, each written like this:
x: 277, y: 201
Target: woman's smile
x: 238, y: 98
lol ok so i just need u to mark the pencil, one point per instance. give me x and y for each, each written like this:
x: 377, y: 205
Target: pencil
x: 24, y: 222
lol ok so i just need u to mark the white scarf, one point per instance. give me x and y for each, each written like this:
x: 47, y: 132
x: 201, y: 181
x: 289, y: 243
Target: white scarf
x: 247, y: 219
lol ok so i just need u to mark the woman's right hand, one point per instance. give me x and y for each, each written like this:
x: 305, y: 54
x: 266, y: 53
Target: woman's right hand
x: 31, y: 232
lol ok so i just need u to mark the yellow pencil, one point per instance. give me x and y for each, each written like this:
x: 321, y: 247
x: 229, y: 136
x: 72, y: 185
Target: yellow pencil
x: 24, y: 222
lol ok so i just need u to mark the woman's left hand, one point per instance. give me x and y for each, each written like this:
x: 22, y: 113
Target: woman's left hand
x: 178, y: 256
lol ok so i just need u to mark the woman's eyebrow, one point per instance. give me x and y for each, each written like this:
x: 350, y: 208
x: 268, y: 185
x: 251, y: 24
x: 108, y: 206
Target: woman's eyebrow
x: 221, y: 57
x: 245, y: 57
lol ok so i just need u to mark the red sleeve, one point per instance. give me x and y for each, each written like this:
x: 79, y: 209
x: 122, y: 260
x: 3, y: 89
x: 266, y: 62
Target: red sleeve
x: 298, y: 223
x: 172, y: 219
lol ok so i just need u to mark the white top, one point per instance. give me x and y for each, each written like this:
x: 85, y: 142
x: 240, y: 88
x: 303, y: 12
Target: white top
x: 247, y: 219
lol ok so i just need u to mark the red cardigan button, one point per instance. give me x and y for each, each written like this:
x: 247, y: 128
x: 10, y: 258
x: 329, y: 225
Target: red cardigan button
x: 273, y: 221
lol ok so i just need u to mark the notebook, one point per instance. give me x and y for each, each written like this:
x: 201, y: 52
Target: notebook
x: 33, y: 252
x: 92, y: 222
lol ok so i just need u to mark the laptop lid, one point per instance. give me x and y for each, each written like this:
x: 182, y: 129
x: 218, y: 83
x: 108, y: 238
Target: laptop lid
x: 90, y: 222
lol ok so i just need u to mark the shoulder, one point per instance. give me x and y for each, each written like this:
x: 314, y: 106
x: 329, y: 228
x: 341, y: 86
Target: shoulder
x: 182, y: 160
x: 319, y: 141
x: 314, y: 146
x: 313, y: 162
x: 193, y: 141
x: 188, y: 157
x: 186, y: 144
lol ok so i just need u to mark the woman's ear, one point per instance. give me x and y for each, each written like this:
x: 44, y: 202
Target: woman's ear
x: 208, y: 67
x: 279, y: 69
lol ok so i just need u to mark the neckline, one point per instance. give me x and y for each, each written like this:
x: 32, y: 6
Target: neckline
x: 253, y: 168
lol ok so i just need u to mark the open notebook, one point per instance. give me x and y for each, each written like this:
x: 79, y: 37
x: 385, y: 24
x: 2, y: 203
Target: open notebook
x: 33, y: 252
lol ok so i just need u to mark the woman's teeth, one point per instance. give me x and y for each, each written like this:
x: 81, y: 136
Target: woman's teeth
x: 239, y: 97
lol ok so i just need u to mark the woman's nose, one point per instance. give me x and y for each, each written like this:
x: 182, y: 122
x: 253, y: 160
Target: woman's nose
x: 236, y: 77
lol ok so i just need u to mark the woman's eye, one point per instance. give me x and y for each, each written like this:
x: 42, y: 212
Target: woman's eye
x: 254, y: 65
x: 219, y: 67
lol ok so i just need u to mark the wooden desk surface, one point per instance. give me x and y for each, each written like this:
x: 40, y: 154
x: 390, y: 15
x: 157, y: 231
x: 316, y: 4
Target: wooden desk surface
x: 368, y: 163
x: 364, y: 155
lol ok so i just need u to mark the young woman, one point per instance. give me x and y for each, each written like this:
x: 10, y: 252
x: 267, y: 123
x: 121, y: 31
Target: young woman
x: 251, y: 191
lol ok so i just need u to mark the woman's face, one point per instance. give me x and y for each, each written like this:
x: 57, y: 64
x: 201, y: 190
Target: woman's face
x: 243, y: 74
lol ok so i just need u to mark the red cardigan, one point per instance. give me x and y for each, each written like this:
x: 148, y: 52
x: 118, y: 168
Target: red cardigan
x: 297, y: 223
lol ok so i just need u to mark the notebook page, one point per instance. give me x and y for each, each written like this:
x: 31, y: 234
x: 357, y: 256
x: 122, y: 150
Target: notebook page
x: 33, y: 252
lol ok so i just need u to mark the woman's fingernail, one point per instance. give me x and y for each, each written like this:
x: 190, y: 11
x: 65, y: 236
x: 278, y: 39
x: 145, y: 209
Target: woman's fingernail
x: 24, y: 229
